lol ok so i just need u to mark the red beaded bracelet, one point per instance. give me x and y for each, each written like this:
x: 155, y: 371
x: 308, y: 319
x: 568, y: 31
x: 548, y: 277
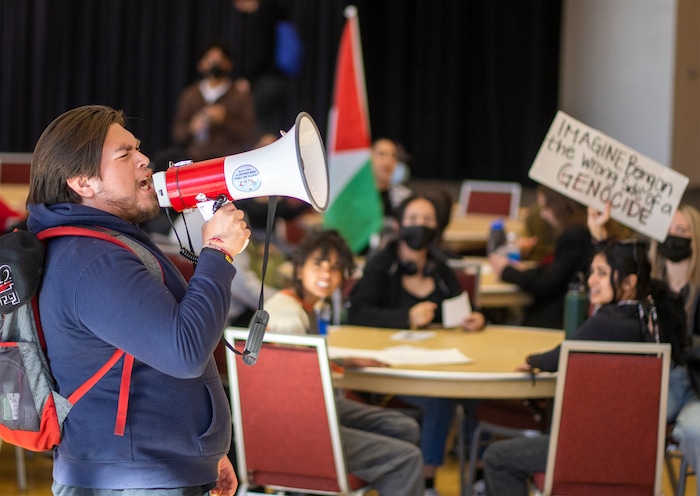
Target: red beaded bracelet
x: 226, y: 254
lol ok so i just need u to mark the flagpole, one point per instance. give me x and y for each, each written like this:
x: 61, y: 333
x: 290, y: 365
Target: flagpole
x: 355, y: 208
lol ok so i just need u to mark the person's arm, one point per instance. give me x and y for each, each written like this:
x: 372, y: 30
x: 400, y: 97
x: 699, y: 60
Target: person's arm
x: 597, y: 328
x: 573, y: 251
x: 597, y: 222
x: 546, y: 362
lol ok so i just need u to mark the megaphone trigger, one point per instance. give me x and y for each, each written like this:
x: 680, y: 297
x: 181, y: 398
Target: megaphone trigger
x: 220, y: 200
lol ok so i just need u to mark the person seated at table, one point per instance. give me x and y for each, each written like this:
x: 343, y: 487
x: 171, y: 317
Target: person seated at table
x: 548, y: 283
x: 676, y: 260
x: 380, y: 444
x: 625, y: 298
x: 403, y: 286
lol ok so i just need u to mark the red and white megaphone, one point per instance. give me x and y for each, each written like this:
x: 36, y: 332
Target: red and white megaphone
x: 294, y: 166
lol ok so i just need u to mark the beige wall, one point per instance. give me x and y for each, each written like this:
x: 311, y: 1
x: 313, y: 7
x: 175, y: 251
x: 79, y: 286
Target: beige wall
x: 686, y: 105
x: 617, y: 70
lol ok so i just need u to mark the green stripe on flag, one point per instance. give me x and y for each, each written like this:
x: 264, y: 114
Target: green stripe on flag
x: 357, y: 210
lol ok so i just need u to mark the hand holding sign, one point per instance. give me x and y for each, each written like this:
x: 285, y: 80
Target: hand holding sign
x: 594, y: 169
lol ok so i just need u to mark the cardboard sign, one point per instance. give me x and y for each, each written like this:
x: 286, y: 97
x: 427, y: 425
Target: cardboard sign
x: 592, y: 168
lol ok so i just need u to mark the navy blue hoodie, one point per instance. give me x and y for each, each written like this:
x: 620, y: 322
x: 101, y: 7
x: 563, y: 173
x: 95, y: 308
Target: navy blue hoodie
x: 96, y: 297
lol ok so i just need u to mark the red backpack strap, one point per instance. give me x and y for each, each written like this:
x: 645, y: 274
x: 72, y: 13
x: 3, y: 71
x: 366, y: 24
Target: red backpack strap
x: 124, y: 388
x: 87, y: 385
x: 153, y: 266
x: 112, y: 236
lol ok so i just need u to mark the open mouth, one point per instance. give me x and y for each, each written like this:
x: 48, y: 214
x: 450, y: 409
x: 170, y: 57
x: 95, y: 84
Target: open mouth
x: 146, y: 183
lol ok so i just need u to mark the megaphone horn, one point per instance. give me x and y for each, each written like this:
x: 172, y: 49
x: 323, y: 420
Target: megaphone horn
x: 294, y: 166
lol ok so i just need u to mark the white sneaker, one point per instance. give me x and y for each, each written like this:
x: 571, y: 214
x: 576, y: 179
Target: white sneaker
x: 431, y: 492
x: 479, y: 488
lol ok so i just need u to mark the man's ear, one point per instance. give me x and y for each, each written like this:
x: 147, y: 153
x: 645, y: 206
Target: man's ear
x: 82, y: 185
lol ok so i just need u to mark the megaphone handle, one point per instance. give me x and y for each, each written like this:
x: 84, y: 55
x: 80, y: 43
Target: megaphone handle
x: 258, y: 324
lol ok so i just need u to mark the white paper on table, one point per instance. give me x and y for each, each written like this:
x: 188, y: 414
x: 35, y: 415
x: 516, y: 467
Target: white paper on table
x: 404, y: 355
x: 408, y: 335
x: 455, y: 310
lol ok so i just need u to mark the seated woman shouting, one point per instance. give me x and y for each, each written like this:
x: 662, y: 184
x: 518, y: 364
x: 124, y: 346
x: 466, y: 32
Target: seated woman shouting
x: 629, y: 306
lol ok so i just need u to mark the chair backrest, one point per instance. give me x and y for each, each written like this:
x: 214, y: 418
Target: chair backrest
x: 490, y: 197
x: 609, y: 421
x: 14, y: 167
x: 468, y: 276
x: 284, y: 416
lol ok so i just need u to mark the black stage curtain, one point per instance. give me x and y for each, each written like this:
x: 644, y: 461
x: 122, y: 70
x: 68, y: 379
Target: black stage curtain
x: 469, y: 88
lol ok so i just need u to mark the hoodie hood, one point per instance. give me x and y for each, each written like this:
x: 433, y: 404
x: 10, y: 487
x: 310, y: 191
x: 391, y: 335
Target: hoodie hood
x: 42, y: 216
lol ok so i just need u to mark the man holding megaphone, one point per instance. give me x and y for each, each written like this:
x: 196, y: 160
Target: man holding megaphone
x: 97, y: 297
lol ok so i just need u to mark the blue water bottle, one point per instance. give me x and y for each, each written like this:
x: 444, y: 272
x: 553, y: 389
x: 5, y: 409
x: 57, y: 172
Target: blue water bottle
x: 323, y: 317
x: 497, y: 236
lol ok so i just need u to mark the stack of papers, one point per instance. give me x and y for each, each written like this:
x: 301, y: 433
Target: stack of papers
x: 404, y: 355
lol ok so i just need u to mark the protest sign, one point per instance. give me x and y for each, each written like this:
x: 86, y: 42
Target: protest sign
x: 586, y: 165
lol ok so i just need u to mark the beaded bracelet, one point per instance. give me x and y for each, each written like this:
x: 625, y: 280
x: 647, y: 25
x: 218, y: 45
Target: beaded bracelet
x: 226, y: 254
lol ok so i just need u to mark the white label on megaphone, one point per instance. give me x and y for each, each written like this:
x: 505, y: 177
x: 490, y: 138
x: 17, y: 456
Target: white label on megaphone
x: 246, y: 178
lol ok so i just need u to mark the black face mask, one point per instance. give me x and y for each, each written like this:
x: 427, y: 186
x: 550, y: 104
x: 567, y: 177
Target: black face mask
x: 417, y: 237
x: 675, y: 248
x: 214, y: 71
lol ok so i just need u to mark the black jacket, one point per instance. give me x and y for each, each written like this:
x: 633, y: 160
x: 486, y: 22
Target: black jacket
x: 548, y: 284
x: 379, y: 300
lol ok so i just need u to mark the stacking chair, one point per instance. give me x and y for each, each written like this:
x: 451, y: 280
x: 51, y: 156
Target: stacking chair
x: 490, y: 197
x: 497, y: 419
x: 285, y: 422
x: 673, y: 453
x: 609, y: 421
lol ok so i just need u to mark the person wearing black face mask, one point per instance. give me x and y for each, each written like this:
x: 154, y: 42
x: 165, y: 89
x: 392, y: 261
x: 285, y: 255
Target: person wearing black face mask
x: 675, y: 248
x: 215, y: 116
x: 403, y: 286
x: 417, y: 237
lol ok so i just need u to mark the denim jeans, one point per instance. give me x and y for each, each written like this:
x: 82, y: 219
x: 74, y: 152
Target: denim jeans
x: 684, y: 410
